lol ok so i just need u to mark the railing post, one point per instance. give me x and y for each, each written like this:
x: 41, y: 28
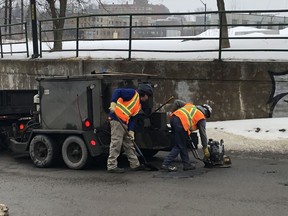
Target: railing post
x: 34, y: 29
x: 220, y: 35
x: 130, y: 36
x: 26, y: 37
x: 1, y: 43
x: 77, y: 37
x: 40, y: 37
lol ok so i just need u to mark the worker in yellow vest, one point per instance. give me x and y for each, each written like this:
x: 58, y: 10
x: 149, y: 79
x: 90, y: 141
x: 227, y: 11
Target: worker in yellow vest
x: 125, y: 105
x: 185, y: 118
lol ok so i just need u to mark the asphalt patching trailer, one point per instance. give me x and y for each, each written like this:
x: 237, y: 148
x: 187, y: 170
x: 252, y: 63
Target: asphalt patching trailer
x: 70, y: 120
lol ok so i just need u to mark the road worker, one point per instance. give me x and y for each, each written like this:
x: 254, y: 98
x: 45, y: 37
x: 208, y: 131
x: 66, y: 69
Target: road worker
x: 125, y: 105
x: 185, y: 118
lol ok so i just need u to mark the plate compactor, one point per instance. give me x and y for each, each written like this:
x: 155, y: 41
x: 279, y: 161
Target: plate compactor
x: 217, y: 154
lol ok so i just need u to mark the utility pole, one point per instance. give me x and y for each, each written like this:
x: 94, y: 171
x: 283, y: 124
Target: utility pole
x: 22, y: 11
x: 205, y: 16
x: 10, y: 18
x: 34, y: 29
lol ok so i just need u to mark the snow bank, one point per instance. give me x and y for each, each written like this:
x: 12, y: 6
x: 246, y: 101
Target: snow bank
x: 253, y: 135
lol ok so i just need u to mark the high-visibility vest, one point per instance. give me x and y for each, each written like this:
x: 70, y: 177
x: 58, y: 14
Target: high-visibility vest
x: 189, y: 116
x: 125, y: 109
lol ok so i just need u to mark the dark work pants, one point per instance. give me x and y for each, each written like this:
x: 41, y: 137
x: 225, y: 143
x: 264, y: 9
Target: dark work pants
x: 180, y: 143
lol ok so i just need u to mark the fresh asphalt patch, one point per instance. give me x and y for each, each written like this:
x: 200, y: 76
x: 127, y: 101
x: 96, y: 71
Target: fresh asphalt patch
x: 181, y: 174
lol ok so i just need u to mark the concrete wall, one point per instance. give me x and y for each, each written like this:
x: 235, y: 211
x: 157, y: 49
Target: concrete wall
x: 235, y: 90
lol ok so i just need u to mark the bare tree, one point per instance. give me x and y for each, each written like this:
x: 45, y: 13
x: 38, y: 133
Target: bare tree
x: 6, y: 15
x: 58, y: 24
x: 224, y: 28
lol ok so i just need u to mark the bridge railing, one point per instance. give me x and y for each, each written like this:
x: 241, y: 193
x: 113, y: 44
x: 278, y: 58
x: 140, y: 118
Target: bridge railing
x: 130, y: 28
x: 11, y: 35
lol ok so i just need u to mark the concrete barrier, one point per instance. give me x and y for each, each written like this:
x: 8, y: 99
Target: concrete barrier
x: 235, y: 89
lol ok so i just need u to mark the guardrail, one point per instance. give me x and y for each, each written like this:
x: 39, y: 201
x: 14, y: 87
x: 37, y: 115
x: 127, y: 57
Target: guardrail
x: 129, y: 27
x: 11, y: 35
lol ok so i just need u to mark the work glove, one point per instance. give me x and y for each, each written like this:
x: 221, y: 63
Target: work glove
x: 112, y: 107
x: 131, y: 135
x: 206, y: 152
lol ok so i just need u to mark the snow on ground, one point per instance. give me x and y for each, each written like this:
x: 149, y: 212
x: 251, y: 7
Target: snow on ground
x: 252, y: 135
x: 197, y: 42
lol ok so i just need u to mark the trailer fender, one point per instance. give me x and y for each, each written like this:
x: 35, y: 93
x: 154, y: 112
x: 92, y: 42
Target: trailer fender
x: 93, y: 143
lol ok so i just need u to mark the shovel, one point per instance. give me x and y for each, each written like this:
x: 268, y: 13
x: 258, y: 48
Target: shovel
x: 145, y: 163
x: 166, y: 102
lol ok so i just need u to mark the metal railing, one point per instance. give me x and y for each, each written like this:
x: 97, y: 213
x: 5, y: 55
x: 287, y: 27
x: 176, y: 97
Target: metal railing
x: 13, y: 34
x: 130, y: 28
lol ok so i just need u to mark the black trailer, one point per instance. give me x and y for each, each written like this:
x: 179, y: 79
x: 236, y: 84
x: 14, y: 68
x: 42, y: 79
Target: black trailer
x: 72, y: 120
x: 16, y: 107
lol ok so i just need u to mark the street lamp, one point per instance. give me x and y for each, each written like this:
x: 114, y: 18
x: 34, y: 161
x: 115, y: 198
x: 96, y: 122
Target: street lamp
x: 205, y: 14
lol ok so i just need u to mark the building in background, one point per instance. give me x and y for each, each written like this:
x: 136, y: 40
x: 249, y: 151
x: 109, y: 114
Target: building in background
x: 254, y: 19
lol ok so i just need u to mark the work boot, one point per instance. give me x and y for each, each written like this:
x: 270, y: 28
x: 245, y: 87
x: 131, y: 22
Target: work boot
x: 169, y: 168
x: 139, y: 168
x: 189, y: 167
x: 116, y: 170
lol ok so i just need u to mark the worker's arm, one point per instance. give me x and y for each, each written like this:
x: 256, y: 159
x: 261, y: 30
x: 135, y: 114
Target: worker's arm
x: 202, y: 131
x: 125, y: 94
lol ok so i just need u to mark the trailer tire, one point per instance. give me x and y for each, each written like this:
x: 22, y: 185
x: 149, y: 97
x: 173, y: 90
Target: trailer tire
x: 74, y: 152
x: 42, y: 151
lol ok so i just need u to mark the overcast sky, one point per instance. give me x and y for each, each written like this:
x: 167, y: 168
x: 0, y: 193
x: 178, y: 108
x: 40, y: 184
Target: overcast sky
x: 192, y: 5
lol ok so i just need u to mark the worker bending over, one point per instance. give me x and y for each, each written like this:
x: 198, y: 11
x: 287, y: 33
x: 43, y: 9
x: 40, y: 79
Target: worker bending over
x: 185, y: 118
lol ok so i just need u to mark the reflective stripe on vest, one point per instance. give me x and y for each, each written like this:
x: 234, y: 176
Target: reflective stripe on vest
x: 189, y: 116
x: 125, y: 109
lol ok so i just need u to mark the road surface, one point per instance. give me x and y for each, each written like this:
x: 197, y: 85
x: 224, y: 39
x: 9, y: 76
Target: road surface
x: 252, y: 186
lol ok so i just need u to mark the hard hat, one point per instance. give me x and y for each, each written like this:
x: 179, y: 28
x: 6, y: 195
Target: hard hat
x: 208, y: 110
x: 145, y: 88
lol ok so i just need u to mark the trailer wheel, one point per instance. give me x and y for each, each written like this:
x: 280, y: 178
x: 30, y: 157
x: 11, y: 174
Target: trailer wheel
x: 42, y: 151
x: 75, y: 153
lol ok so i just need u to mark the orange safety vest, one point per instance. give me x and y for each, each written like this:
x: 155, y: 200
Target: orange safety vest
x: 189, y: 116
x: 125, y: 109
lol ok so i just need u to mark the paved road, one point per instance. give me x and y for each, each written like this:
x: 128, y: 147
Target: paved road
x: 253, y: 186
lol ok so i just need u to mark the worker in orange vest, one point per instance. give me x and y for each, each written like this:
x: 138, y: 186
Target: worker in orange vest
x: 125, y: 105
x: 185, y: 118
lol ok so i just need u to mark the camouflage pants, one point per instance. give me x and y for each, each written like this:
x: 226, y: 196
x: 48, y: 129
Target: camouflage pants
x: 119, y: 138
